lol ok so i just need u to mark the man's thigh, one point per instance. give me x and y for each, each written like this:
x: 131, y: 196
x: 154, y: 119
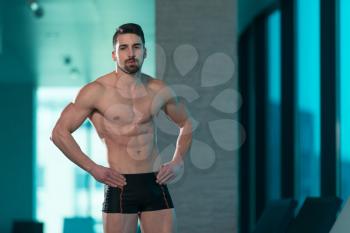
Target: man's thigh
x: 160, y: 221
x: 119, y: 223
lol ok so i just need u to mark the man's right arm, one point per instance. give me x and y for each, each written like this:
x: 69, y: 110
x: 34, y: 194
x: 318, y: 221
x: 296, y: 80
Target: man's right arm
x: 70, y: 119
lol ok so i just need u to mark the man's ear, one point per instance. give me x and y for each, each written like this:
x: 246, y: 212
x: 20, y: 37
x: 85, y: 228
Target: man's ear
x: 145, y: 53
x: 113, y: 55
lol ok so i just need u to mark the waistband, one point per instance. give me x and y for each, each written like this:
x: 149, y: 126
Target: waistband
x: 140, y: 174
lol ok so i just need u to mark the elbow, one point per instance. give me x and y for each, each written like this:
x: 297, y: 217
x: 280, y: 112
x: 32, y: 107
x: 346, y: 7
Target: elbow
x: 187, y: 127
x: 56, y: 134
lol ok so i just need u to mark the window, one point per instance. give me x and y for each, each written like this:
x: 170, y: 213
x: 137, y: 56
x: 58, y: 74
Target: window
x: 273, y: 154
x: 344, y: 97
x: 63, y: 189
x: 308, y: 99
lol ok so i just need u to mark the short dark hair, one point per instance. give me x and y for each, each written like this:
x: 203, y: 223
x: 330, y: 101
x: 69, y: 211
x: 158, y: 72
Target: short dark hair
x: 128, y: 28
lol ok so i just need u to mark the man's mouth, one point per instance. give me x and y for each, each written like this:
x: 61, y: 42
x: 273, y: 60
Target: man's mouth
x: 131, y: 61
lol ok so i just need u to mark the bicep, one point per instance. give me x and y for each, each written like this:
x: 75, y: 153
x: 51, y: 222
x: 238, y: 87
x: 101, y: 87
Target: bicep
x: 172, y: 107
x: 72, y: 117
x: 76, y: 113
x: 176, y: 110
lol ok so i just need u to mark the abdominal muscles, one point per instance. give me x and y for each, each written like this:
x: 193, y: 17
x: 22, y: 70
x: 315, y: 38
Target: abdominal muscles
x: 133, y: 149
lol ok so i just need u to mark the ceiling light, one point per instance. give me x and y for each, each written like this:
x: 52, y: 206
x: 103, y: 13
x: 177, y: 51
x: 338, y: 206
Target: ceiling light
x: 36, y: 8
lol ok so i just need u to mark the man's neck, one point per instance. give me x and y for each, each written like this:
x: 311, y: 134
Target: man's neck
x: 126, y: 80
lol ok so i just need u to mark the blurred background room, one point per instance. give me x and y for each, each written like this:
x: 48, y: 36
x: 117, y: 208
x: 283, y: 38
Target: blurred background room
x: 266, y: 82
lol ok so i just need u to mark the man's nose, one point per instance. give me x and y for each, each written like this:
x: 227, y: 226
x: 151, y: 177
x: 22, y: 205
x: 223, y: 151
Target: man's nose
x: 131, y: 52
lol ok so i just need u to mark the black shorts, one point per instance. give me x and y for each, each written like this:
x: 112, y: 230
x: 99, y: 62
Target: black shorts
x: 141, y: 193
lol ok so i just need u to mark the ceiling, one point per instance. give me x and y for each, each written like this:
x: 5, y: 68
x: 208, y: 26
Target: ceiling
x: 72, y: 43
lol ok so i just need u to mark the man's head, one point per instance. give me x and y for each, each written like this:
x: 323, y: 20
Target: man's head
x: 132, y: 28
x: 129, y: 48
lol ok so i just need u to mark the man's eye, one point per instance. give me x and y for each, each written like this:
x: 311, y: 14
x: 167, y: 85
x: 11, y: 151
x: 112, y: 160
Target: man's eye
x: 122, y: 48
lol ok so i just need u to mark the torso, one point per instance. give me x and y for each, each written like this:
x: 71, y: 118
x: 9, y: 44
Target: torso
x: 124, y: 120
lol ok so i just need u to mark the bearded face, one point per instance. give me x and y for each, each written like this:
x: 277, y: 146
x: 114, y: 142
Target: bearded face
x: 129, y: 53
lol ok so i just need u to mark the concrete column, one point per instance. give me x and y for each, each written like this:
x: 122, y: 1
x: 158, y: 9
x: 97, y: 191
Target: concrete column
x: 196, y: 56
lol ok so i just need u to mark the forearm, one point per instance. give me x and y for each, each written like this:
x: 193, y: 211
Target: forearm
x: 70, y: 148
x: 183, y: 142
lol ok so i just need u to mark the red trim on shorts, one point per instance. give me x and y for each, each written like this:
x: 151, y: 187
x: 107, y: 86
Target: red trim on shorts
x: 164, y: 197
x: 120, y: 200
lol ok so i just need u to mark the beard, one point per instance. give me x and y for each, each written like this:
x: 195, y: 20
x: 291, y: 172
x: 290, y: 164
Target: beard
x: 131, y: 66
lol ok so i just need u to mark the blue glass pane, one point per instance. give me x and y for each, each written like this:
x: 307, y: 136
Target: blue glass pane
x: 344, y: 97
x: 308, y: 99
x: 55, y: 172
x: 274, y: 107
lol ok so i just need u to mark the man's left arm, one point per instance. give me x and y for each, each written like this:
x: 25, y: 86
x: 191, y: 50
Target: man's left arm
x: 177, y: 112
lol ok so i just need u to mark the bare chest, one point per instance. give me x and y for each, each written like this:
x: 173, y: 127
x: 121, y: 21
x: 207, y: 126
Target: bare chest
x: 129, y: 107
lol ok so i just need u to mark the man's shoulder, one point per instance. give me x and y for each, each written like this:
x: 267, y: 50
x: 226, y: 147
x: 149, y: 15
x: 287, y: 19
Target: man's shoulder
x: 161, y: 88
x: 100, y: 83
x: 93, y: 87
x: 154, y: 83
x: 88, y: 94
x: 104, y: 79
x: 91, y: 91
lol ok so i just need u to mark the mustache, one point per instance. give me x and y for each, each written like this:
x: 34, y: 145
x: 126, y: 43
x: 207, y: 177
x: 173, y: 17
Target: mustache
x: 131, y: 59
